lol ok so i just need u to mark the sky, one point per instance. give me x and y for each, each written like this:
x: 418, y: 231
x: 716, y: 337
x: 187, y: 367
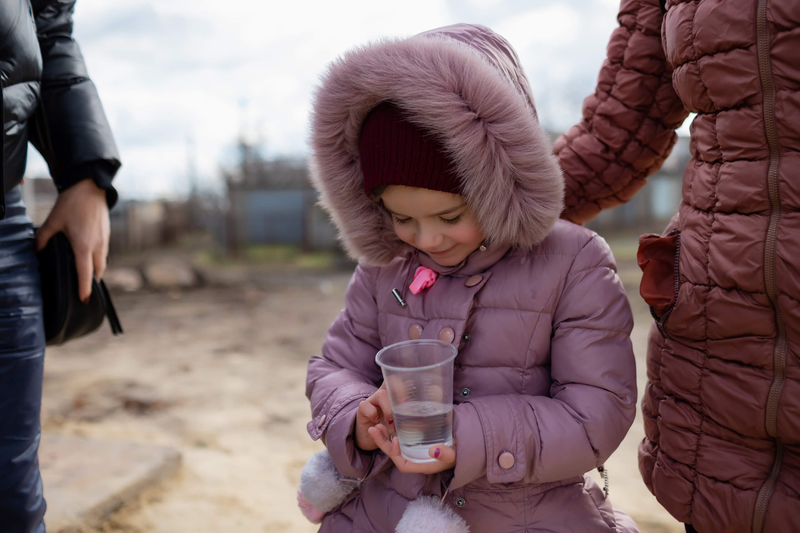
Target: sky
x: 182, y: 80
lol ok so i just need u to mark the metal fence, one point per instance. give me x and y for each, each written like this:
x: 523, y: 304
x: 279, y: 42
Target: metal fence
x: 277, y: 217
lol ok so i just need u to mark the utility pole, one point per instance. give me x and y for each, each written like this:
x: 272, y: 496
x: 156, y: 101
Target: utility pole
x: 191, y: 178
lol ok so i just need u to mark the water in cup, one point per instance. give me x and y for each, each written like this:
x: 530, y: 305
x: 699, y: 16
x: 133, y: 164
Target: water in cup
x: 419, y: 381
x: 420, y: 425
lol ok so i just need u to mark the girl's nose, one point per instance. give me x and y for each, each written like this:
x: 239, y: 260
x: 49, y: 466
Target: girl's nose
x: 428, y: 239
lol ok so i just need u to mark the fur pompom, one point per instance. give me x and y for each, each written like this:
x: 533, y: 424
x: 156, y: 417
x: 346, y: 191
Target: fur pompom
x: 321, y: 485
x: 429, y: 515
x: 314, y: 515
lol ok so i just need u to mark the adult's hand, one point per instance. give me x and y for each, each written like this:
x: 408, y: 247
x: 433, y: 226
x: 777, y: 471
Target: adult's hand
x: 81, y: 212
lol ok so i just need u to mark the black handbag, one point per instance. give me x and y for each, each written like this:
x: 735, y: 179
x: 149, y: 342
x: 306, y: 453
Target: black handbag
x: 65, y: 316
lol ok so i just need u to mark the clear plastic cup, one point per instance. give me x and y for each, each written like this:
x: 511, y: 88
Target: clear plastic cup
x: 419, y: 382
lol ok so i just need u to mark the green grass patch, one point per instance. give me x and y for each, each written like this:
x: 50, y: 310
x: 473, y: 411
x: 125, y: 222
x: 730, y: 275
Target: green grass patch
x: 624, y: 249
x: 267, y: 256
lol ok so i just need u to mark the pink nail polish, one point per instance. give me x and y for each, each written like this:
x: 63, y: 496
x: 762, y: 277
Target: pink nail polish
x: 390, y: 421
x: 436, y: 453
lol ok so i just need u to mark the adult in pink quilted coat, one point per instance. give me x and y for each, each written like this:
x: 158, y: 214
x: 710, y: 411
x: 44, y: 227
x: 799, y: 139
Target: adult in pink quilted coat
x: 544, y: 383
x: 722, y: 409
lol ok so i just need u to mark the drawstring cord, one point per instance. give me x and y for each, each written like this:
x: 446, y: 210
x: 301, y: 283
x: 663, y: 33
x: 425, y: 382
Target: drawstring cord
x: 604, y: 475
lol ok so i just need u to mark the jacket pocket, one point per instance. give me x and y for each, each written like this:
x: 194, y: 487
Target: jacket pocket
x: 659, y: 259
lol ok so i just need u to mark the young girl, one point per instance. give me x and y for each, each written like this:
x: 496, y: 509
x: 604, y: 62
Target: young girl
x: 427, y: 153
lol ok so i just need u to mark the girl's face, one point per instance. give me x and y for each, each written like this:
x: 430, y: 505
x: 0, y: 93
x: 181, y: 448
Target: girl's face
x: 437, y: 223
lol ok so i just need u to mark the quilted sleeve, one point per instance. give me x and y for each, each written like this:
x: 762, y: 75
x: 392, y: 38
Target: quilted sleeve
x: 592, y: 402
x: 628, y: 125
x: 344, y: 375
x: 75, y: 138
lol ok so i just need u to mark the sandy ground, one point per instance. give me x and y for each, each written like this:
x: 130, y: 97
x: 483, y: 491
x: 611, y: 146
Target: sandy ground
x: 219, y: 374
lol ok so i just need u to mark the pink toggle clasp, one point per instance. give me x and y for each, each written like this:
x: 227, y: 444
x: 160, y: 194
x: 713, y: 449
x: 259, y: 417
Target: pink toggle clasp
x: 423, y: 278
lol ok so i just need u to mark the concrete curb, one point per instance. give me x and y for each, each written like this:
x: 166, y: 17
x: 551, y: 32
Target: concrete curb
x: 87, y: 480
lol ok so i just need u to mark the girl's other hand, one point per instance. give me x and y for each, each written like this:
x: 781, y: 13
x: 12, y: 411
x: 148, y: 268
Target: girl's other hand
x: 389, y: 444
x: 373, y: 411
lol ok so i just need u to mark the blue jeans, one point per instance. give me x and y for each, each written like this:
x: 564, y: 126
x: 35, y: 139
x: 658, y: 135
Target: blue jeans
x: 22, y: 342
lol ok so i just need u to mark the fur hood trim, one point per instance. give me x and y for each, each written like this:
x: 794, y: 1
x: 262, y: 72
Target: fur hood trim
x: 463, y: 83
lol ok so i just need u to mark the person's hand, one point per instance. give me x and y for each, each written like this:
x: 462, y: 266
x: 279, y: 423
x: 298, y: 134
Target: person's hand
x: 374, y: 410
x: 81, y: 212
x: 390, y: 445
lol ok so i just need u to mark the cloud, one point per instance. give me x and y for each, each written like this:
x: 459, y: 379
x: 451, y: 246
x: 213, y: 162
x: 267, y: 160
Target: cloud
x: 552, y: 26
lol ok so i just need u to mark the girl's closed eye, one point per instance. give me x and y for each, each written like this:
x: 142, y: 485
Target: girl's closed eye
x: 449, y: 221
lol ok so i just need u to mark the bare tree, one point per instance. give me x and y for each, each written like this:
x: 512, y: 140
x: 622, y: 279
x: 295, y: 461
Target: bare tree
x: 255, y: 172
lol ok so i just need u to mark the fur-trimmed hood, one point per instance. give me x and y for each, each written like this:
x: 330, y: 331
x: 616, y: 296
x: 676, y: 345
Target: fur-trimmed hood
x: 463, y: 83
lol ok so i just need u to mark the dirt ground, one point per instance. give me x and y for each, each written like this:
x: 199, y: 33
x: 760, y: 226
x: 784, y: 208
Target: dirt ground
x: 219, y: 374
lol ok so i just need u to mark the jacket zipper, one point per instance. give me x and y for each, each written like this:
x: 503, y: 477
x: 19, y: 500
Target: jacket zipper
x: 677, y: 275
x: 661, y: 321
x: 779, y: 355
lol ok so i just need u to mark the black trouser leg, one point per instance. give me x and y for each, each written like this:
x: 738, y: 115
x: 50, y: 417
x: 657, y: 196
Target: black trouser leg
x: 22, y: 343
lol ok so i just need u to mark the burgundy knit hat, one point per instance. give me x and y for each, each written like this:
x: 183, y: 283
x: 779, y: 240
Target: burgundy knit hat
x: 394, y: 151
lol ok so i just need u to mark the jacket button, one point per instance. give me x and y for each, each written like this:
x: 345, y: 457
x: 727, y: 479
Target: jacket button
x: 321, y: 420
x: 473, y: 280
x: 465, y: 337
x: 461, y: 502
x: 415, y: 332
x: 465, y: 392
x: 447, y: 335
x: 506, y: 460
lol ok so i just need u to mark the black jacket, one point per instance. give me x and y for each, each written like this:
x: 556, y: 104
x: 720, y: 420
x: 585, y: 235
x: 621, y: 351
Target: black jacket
x: 49, y: 100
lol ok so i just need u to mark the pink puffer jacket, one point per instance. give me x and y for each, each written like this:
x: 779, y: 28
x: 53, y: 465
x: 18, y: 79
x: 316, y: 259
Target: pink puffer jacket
x: 545, y: 372
x: 545, y: 376
x: 722, y: 409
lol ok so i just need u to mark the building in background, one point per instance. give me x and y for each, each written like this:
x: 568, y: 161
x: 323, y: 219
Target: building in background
x: 135, y: 225
x: 143, y: 225
x: 271, y: 201
x: 291, y: 216
x: 39, y: 195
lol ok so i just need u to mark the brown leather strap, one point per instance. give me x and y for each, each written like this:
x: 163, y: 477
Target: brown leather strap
x: 111, y: 313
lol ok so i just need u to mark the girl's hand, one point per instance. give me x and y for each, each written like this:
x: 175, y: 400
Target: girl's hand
x: 389, y: 444
x: 373, y: 411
